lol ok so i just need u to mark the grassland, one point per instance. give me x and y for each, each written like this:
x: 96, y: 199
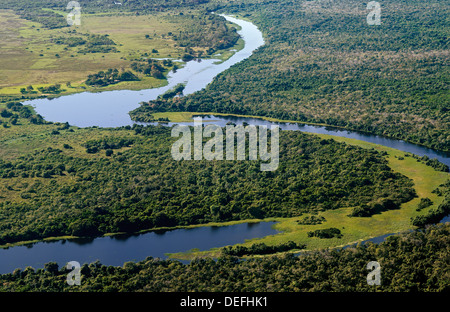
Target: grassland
x: 30, y: 58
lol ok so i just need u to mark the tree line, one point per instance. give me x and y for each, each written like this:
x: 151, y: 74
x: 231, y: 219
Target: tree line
x: 111, y: 76
x: 139, y: 185
x: 337, y: 270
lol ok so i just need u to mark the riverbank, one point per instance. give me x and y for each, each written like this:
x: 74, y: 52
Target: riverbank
x: 354, y: 229
x: 188, y: 117
x: 43, y: 63
x: 156, y: 230
x: 425, y: 178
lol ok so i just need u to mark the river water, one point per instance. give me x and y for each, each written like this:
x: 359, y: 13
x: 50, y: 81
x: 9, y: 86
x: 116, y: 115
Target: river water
x: 397, y: 144
x: 118, y: 249
x: 110, y: 109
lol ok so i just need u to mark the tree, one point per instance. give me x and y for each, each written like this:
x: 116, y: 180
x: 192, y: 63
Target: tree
x: 156, y: 73
x: 51, y: 267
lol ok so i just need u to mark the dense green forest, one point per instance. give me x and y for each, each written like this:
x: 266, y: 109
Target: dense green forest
x: 135, y: 184
x: 88, y: 43
x: 322, y: 63
x: 203, y: 30
x: 416, y: 261
x: 111, y: 76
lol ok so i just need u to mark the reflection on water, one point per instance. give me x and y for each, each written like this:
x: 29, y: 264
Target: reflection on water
x: 80, y: 241
x: 118, y: 249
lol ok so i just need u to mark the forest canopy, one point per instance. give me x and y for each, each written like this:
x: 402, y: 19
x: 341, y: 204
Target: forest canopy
x: 322, y: 63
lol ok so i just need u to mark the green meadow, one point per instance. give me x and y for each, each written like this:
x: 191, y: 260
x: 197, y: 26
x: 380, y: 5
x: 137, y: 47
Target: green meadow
x: 30, y: 57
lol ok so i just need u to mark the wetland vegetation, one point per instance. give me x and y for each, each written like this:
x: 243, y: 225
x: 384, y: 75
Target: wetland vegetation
x: 319, y: 271
x: 321, y: 63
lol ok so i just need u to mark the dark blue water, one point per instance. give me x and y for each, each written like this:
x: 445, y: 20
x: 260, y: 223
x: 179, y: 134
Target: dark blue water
x: 116, y: 250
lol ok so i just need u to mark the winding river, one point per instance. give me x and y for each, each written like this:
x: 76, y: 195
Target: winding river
x: 110, y: 109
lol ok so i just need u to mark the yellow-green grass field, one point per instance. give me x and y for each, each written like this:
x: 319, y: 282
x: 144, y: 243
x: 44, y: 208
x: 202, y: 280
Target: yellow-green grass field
x: 29, y: 57
x: 354, y: 229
